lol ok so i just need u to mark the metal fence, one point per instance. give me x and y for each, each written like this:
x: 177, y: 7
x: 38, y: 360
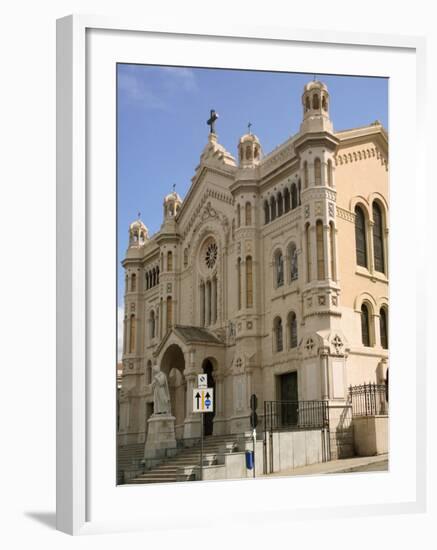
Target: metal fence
x: 369, y: 399
x: 299, y: 415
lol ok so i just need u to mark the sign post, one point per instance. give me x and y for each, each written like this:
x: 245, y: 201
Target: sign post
x: 253, y: 424
x: 203, y: 402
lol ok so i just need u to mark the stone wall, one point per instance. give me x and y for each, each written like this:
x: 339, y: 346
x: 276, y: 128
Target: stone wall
x: 370, y: 435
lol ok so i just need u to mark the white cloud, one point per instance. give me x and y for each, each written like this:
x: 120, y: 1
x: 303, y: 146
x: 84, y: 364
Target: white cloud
x: 157, y: 92
x: 120, y: 315
x: 180, y: 77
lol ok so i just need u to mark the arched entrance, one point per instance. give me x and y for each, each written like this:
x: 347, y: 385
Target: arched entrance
x: 208, y: 418
x: 173, y: 365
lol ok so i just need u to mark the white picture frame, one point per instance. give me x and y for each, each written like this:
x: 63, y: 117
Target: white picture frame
x: 79, y: 425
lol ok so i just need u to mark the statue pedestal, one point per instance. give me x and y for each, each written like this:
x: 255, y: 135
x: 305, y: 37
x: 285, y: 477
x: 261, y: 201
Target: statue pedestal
x: 161, y: 439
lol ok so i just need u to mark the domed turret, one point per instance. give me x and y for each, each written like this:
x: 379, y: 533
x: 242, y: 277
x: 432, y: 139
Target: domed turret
x: 249, y: 150
x: 138, y: 234
x: 315, y: 102
x: 172, y: 203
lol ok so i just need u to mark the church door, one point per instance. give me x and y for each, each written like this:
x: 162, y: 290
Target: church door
x: 289, y: 398
x: 208, y: 418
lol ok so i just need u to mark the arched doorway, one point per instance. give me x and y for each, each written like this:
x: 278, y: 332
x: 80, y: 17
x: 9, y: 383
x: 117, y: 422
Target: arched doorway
x: 173, y: 365
x: 208, y: 418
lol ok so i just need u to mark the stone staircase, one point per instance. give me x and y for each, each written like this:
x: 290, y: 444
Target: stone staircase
x: 129, y: 461
x: 184, y: 465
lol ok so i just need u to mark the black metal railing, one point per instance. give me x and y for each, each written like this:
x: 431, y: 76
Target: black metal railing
x: 369, y: 399
x: 298, y: 415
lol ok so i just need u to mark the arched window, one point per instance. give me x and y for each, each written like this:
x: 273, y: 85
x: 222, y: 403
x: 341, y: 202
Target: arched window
x: 238, y: 215
x: 147, y: 281
x: 320, y: 251
x: 133, y: 282
x: 277, y: 327
x: 169, y: 261
x: 248, y: 213
x: 316, y: 102
x: 292, y: 326
x: 294, y: 199
x: 249, y: 282
x: 126, y: 283
x: 157, y: 275
x: 330, y: 183
x: 360, y: 237
x: 272, y: 208
x: 266, y: 212
x: 308, y: 252
x: 307, y: 104
x: 299, y: 189
x: 292, y: 255
x: 149, y: 372
x: 186, y: 257
x: 280, y: 204
x: 132, y: 329
x: 317, y: 172
x: 286, y: 200
x: 365, y: 325
x: 239, y: 282
x: 332, y: 250
x: 378, y: 238
x: 279, y: 268
x: 383, y: 327
x: 202, y: 304
x: 152, y: 324
x: 153, y: 277
x: 169, y: 312
x: 305, y: 174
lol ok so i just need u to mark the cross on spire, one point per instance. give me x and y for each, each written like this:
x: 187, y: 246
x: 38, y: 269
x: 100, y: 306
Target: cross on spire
x: 211, y: 121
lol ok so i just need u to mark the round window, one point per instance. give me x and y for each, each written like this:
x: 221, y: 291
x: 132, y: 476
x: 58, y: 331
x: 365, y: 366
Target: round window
x: 211, y: 253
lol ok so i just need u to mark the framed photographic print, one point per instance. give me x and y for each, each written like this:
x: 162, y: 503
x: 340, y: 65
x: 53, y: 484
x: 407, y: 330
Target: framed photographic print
x: 232, y: 276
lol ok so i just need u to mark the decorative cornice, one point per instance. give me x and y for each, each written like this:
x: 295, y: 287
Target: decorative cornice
x: 361, y: 154
x: 345, y: 214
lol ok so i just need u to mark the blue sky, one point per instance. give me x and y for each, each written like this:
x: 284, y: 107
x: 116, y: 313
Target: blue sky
x: 162, y: 114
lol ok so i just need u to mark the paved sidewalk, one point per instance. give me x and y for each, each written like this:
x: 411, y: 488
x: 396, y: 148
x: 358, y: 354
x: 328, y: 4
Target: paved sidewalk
x: 356, y: 464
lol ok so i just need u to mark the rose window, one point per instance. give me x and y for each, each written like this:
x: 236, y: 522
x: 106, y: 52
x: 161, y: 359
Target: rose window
x: 211, y: 255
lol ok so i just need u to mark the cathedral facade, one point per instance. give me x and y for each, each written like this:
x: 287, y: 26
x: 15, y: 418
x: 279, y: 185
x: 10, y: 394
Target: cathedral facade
x: 271, y: 277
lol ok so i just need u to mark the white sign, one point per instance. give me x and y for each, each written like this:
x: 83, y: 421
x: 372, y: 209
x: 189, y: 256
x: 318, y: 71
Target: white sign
x: 203, y: 400
x: 202, y: 381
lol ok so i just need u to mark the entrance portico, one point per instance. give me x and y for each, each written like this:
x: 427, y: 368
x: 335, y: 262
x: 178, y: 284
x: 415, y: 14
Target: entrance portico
x: 184, y: 353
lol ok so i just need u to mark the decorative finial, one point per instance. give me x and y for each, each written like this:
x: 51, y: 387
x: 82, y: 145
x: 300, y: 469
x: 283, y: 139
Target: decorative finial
x: 211, y: 121
x: 249, y: 125
x: 139, y: 215
x: 314, y: 78
x: 174, y: 187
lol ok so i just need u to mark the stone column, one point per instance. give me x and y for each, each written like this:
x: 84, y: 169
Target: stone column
x: 325, y: 375
x: 219, y: 418
x: 369, y: 238
x: 192, y: 420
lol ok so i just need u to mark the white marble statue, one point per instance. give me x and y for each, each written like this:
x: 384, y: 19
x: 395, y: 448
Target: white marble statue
x: 161, y: 394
